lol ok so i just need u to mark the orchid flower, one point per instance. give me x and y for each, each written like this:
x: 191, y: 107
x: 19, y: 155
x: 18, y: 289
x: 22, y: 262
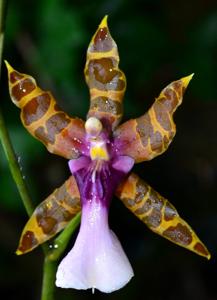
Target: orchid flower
x: 101, y: 155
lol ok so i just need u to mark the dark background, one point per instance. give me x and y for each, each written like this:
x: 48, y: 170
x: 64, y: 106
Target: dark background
x: 159, y: 41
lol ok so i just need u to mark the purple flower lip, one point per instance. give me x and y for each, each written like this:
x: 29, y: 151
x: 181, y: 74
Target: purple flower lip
x: 97, y: 259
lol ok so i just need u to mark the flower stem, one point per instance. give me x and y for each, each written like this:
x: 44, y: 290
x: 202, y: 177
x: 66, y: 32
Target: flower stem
x: 48, y: 283
x: 52, y: 256
x: 4, y: 136
x: 14, y: 166
x: 3, y: 4
x: 61, y: 242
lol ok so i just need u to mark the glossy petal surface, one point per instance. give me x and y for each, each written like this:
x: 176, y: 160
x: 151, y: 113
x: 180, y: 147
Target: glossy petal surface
x: 97, y: 259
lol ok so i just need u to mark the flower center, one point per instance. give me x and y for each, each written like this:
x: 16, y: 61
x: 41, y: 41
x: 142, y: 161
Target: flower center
x: 97, y: 140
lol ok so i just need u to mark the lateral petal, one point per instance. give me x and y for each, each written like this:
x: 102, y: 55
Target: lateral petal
x: 50, y: 216
x: 159, y: 214
x: 43, y: 118
x: 150, y: 135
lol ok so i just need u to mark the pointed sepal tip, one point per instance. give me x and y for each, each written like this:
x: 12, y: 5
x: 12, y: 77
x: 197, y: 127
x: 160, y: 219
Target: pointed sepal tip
x: 18, y: 252
x: 8, y: 66
x: 187, y: 79
x: 104, y: 22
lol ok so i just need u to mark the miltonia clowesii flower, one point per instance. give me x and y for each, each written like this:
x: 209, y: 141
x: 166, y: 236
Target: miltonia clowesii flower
x: 101, y: 154
x: 97, y: 259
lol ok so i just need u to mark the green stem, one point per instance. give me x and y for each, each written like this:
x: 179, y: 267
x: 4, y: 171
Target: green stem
x: 3, y: 5
x: 14, y: 166
x: 4, y: 136
x: 52, y: 256
x: 61, y: 242
x: 48, y: 283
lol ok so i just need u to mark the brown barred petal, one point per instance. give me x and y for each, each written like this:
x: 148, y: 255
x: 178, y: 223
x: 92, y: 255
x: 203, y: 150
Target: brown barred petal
x: 50, y: 216
x: 159, y: 214
x: 150, y: 135
x: 43, y: 118
x: 106, y: 82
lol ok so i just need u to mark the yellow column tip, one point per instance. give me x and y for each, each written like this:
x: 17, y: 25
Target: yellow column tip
x: 187, y: 79
x: 104, y: 22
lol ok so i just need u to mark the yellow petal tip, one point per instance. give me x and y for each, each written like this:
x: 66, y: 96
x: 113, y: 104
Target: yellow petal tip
x: 104, y: 22
x: 187, y: 79
x: 18, y: 252
x: 9, y: 67
x: 208, y: 256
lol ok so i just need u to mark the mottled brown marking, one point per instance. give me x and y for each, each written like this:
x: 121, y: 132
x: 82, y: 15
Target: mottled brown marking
x: 166, y: 141
x: 54, y: 125
x: 141, y: 190
x: 57, y: 209
x: 104, y: 104
x: 162, y: 115
x: 177, y: 86
x: 169, y: 212
x: 178, y: 234
x: 36, y: 108
x: 48, y: 216
x: 28, y: 241
x: 102, y: 41
x: 47, y: 224
x: 144, y: 208
x: 67, y: 215
x: 73, y: 202
x: 101, y: 35
x: 57, y: 108
x: 23, y: 88
x: 128, y: 202
x: 103, y: 69
x: 153, y: 203
x: 170, y: 100
x: 201, y: 249
x: 154, y: 219
x: 42, y: 135
x: 144, y: 128
x: 63, y: 196
x: 156, y: 142
x: 156, y: 204
x: 183, y: 89
x: 103, y: 75
x: 15, y: 76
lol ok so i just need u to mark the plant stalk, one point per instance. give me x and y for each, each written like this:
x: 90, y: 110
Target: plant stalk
x: 61, y: 242
x: 51, y: 256
x: 48, y: 282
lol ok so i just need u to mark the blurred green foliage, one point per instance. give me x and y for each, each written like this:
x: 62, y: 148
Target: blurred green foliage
x: 159, y: 41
